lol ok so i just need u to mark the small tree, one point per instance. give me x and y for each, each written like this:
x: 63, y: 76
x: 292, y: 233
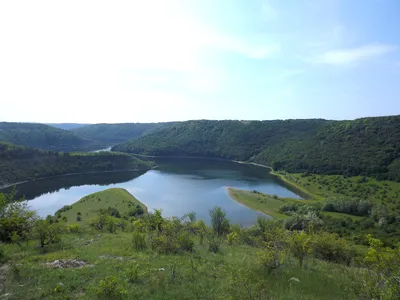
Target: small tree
x: 300, y: 245
x: 15, y: 218
x: 47, y: 233
x: 219, y: 222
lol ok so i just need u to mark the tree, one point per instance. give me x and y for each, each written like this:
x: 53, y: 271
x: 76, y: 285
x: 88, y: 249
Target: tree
x: 300, y: 245
x: 47, y: 233
x: 15, y: 218
x: 219, y: 222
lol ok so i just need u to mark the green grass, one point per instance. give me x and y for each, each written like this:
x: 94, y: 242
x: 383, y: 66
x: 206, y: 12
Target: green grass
x: 89, y: 206
x: 234, y: 273
x: 261, y: 202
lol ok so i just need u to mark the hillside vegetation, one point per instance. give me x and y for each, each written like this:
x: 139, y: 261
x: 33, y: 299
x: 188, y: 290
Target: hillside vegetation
x: 115, y: 252
x: 22, y: 163
x: 45, y: 137
x: 368, y: 146
x: 116, y: 133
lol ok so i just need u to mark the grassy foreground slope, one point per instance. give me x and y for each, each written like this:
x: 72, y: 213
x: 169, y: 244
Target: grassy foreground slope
x: 45, y: 137
x: 368, y: 146
x: 151, y: 257
x: 90, y: 205
x: 23, y: 163
x: 116, y: 133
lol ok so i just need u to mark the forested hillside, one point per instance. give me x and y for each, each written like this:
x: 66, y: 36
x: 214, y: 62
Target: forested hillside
x: 116, y: 133
x: 23, y: 163
x: 45, y: 137
x: 368, y: 146
x: 239, y: 140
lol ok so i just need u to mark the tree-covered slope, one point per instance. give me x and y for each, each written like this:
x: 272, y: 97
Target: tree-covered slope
x: 44, y: 137
x: 368, y: 146
x: 116, y: 133
x: 23, y: 163
x: 239, y: 140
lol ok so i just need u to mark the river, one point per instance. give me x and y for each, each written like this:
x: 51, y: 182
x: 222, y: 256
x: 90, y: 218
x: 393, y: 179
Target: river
x: 177, y: 186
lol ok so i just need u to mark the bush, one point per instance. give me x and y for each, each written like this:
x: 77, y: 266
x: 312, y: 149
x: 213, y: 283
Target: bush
x: 136, y: 212
x: 185, y: 242
x: 219, y: 222
x: 139, y: 241
x: 108, y: 288
x: 47, y: 233
x: 63, y: 209
x: 74, y: 228
x: 15, y: 218
x: 78, y: 218
x: 328, y: 246
x: 232, y: 238
x: 164, y: 244
x: 214, y: 244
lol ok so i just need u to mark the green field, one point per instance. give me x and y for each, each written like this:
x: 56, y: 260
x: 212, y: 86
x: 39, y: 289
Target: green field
x: 90, y: 205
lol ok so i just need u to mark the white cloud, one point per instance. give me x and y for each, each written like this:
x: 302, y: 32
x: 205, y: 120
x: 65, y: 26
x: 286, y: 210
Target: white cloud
x: 347, y: 56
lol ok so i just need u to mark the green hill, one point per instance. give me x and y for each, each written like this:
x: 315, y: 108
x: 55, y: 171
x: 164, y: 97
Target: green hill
x: 22, y: 163
x: 116, y: 133
x: 91, y: 205
x: 45, y: 137
x: 368, y: 146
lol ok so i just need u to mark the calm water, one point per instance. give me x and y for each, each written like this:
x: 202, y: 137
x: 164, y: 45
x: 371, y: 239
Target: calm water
x: 177, y: 186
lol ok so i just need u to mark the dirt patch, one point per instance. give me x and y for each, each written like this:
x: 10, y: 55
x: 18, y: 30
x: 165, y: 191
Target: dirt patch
x: 67, y: 263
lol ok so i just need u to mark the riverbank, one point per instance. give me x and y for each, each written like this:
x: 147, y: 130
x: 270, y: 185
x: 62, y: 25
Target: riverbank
x: 259, y: 202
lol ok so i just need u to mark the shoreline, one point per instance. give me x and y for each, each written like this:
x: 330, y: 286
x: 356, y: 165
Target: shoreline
x: 228, y: 190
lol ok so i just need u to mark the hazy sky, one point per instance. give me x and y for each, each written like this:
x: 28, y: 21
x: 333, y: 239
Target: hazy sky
x: 159, y: 60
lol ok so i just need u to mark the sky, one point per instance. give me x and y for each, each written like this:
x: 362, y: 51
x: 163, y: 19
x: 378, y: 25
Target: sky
x: 172, y: 60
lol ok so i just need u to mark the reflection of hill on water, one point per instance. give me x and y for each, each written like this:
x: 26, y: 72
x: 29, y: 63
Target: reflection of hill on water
x: 31, y: 190
x: 211, y: 168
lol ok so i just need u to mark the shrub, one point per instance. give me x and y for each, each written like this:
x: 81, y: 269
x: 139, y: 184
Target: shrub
x: 300, y: 245
x: 98, y: 222
x: 330, y: 247
x: 78, y: 218
x: 108, y: 288
x: 132, y: 273
x: 64, y: 208
x: 185, y: 242
x: 213, y: 243
x: 136, y: 212
x: 139, y: 241
x: 232, y: 238
x: 74, y: 228
x: 15, y: 218
x: 47, y: 233
x: 271, y: 258
x: 219, y: 222
x: 164, y: 244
